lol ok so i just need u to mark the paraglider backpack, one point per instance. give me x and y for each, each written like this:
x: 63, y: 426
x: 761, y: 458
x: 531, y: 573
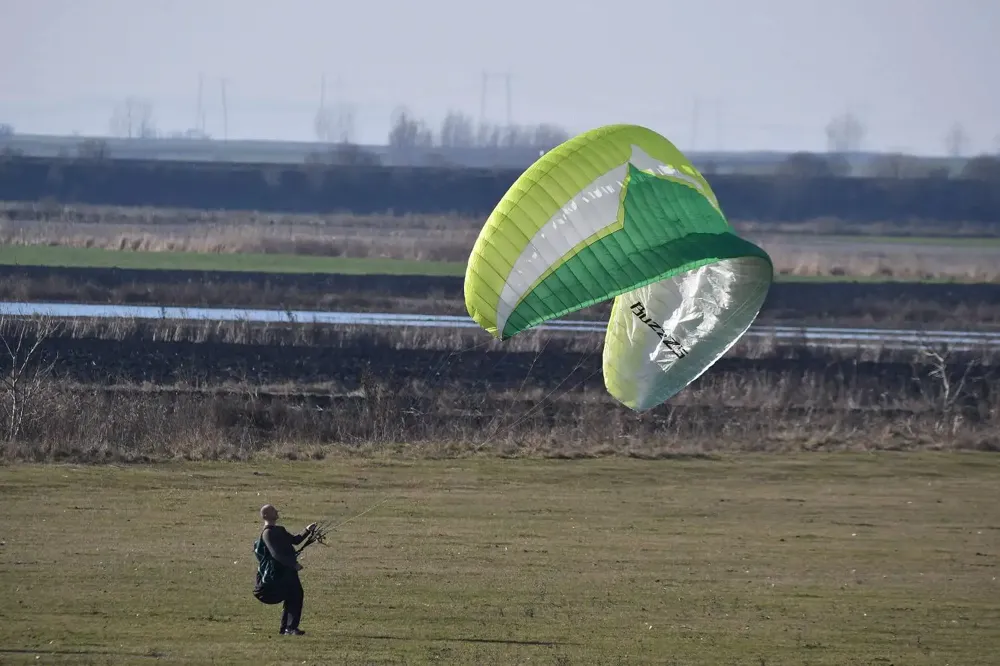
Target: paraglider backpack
x: 265, y: 589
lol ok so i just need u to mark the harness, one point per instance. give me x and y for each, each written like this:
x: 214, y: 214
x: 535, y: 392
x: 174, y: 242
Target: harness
x: 264, y: 589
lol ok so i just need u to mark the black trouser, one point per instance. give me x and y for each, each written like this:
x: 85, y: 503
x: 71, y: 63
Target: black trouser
x: 293, y: 595
x: 287, y: 589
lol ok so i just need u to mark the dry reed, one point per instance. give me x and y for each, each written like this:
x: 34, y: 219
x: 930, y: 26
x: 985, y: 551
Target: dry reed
x: 326, y: 336
x: 945, y: 403
x: 178, y: 217
x: 438, y: 238
x: 777, y: 413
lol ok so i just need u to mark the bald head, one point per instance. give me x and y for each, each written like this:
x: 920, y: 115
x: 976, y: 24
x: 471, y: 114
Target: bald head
x: 268, y: 513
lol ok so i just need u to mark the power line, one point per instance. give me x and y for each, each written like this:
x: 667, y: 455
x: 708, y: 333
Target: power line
x: 199, y: 121
x: 225, y: 111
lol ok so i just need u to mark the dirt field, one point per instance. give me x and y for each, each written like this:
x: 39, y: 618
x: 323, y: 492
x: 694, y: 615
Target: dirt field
x: 818, y: 559
x: 886, y: 304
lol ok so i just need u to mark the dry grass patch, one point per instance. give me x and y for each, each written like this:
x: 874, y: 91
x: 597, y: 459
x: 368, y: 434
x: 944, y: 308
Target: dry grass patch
x: 902, y: 262
x: 433, y: 238
x: 433, y: 417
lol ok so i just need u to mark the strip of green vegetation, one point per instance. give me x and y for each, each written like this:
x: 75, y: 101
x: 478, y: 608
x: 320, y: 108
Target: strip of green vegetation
x: 73, y: 257
x: 818, y: 559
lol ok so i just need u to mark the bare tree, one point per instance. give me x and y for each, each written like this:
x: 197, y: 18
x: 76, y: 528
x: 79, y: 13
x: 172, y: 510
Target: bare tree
x: 409, y: 132
x: 956, y: 140
x: 845, y: 133
x: 457, y: 131
x: 488, y: 135
x: 24, y: 379
x: 544, y: 136
x: 514, y: 136
x: 547, y: 136
x: 335, y: 123
x: 133, y: 118
x: 323, y: 125
x: 952, y: 378
x: 6, y: 130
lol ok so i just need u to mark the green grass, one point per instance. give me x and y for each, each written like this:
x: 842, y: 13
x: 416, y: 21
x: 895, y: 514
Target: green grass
x: 72, y: 257
x: 814, y: 559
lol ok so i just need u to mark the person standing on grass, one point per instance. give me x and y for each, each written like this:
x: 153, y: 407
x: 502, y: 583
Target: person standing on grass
x: 278, y: 569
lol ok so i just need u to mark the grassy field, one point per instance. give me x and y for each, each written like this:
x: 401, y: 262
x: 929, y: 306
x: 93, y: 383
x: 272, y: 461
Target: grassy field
x: 814, y: 559
x: 428, y: 244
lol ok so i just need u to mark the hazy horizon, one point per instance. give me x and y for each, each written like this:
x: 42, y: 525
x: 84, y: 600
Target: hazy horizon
x: 712, y: 75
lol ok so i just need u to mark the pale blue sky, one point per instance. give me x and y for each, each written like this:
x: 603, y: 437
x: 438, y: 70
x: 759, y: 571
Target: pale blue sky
x: 769, y: 73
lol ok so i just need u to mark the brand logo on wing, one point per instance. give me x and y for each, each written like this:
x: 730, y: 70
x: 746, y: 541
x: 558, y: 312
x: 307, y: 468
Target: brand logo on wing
x: 672, y: 344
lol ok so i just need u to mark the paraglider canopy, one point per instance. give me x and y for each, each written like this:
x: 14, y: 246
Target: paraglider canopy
x: 620, y: 213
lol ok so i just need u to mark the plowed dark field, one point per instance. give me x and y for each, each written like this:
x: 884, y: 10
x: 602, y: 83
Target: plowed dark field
x: 929, y: 305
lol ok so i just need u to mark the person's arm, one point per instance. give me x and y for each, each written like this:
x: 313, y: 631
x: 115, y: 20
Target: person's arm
x: 278, y: 553
x: 299, y: 538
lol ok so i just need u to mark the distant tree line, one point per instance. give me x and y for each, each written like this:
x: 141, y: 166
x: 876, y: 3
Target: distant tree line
x: 320, y: 187
x: 458, y: 130
x: 412, y: 141
x: 461, y: 141
x: 889, y: 165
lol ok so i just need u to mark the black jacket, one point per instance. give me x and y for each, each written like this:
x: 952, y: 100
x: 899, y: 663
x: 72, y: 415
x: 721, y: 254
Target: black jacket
x: 281, y: 544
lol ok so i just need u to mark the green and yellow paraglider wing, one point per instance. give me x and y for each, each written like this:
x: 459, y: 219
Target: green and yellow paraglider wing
x: 619, y: 212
